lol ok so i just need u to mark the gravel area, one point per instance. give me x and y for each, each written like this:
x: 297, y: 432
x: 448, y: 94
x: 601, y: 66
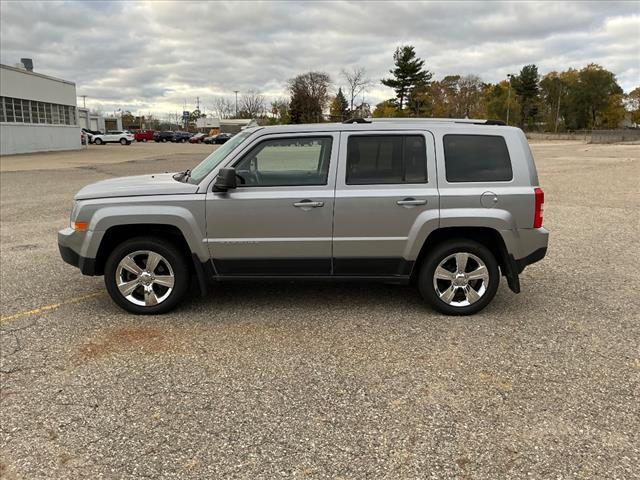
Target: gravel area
x: 316, y: 380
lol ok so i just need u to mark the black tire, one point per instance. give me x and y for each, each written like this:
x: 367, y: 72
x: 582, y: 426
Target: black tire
x: 164, y: 140
x: 183, y: 140
x: 98, y: 141
x: 440, y: 253
x: 176, y: 260
x: 123, y: 141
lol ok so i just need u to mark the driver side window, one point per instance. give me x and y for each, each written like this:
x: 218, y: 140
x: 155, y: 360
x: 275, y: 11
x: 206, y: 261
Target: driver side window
x: 279, y: 162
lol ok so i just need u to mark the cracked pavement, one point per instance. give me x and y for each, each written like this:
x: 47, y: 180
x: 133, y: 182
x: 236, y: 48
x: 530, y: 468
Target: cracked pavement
x: 316, y: 380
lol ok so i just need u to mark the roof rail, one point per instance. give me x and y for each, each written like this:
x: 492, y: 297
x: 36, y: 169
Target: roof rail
x: 470, y: 121
x: 474, y: 121
x: 357, y: 120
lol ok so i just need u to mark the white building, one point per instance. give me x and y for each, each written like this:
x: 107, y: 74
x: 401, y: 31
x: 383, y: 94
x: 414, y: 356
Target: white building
x: 98, y: 122
x: 37, y: 112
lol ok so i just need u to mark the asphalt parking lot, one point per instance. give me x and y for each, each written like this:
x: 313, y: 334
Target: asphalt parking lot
x: 307, y: 380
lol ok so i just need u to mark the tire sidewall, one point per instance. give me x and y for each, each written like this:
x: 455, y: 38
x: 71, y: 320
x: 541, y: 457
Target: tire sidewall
x: 169, y: 252
x: 440, y: 252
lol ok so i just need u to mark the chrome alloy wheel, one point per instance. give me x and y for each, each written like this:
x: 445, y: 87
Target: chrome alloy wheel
x: 145, y: 278
x: 461, y: 279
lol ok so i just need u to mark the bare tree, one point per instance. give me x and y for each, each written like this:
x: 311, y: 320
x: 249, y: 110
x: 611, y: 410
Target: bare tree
x: 223, y: 107
x: 357, y: 82
x: 252, y: 105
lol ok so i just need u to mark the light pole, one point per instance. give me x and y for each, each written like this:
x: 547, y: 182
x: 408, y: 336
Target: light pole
x: 236, y: 92
x: 509, y: 76
x: 558, y: 108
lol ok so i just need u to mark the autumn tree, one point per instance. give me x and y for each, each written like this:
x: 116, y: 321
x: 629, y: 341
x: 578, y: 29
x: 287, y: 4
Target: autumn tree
x: 386, y: 109
x: 632, y: 102
x: 309, y: 96
x: 339, y: 109
x: 595, y: 88
x: 408, y: 74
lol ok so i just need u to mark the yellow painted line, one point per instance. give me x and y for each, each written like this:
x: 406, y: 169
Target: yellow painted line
x: 47, y: 308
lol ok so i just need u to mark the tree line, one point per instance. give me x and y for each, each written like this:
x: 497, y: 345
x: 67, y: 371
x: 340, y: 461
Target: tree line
x: 573, y: 99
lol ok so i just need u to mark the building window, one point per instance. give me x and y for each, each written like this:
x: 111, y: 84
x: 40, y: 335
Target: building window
x: 16, y: 110
x: 55, y: 115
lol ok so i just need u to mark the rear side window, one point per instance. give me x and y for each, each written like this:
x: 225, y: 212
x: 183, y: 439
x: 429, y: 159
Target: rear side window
x: 379, y: 159
x: 477, y: 158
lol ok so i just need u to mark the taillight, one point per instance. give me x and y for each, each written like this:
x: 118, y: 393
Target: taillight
x: 539, y: 209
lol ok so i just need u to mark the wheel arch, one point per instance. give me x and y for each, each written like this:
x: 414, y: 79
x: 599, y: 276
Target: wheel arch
x: 117, y: 234
x: 487, y: 236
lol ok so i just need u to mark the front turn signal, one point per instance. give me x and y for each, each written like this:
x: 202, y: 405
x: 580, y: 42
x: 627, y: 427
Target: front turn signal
x: 79, y: 226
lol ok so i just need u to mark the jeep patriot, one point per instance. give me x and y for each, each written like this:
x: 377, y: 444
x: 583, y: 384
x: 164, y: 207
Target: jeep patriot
x: 448, y: 205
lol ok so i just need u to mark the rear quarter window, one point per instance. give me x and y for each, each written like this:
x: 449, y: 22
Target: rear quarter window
x: 476, y: 158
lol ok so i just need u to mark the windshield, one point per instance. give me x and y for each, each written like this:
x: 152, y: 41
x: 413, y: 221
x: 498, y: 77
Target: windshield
x: 212, y: 161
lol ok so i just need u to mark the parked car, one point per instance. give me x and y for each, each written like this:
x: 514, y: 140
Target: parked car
x: 197, y: 138
x: 114, y: 136
x: 143, y: 135
x: 90, y: 134
x: 447, y: 205
x: 165, y: 136
x: 218, y: 139
x: 181, y: 137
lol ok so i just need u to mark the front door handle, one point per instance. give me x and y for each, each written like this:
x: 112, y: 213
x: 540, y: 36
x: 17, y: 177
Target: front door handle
x: 411, y: 201
x: 308, y: 204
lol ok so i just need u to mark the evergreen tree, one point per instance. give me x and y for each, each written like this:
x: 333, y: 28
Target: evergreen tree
x: 408, y: 74
x: 339, y: 108
x: 527, y: 89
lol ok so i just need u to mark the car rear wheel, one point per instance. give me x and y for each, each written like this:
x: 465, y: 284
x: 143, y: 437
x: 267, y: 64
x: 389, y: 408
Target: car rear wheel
x: 164, y: 140
x: 146, y: 275
x: 123, y: 141
x: 459, y: 277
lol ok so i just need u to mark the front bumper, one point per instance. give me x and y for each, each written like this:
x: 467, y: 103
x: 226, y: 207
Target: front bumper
x: 67, y: 244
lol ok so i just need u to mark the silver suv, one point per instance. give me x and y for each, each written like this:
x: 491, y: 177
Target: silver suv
x: 448, y: 205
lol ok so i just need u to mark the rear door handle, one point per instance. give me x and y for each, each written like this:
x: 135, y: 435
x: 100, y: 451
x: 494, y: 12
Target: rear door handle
x: 308, y: 204
x: 411, y: 201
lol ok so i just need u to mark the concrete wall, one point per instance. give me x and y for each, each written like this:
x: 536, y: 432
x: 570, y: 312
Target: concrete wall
x: 27, y: 138
x: 615, y: 136
x: 581, y: 136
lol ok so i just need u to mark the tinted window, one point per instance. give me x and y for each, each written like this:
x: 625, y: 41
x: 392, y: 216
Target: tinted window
x: 377, y: 159
x: 477, y: 158
x: 286, y: 161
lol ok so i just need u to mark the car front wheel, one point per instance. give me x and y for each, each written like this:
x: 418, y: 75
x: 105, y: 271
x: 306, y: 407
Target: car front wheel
x: 459, y: 277
x: 98, y: 141
x: 146, y: 275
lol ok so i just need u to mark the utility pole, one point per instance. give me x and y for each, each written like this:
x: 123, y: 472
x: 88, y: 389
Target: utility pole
x: 236, y: 92
x: 558, y: 108
x: 198, y: 103
x: 509, y: 76
x: 84, y: 101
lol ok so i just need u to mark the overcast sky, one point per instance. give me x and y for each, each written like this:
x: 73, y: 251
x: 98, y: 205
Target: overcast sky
x: 154, y: 56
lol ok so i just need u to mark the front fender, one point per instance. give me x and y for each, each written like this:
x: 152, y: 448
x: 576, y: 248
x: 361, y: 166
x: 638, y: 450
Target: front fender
x: 179, y: 217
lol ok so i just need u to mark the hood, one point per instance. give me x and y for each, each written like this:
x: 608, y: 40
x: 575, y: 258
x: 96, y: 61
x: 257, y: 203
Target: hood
x: 157, y: 184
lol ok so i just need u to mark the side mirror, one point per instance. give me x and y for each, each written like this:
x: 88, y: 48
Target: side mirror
x: 225, y: 180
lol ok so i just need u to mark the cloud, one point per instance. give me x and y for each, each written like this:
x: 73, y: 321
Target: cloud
x: 156, y: 56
